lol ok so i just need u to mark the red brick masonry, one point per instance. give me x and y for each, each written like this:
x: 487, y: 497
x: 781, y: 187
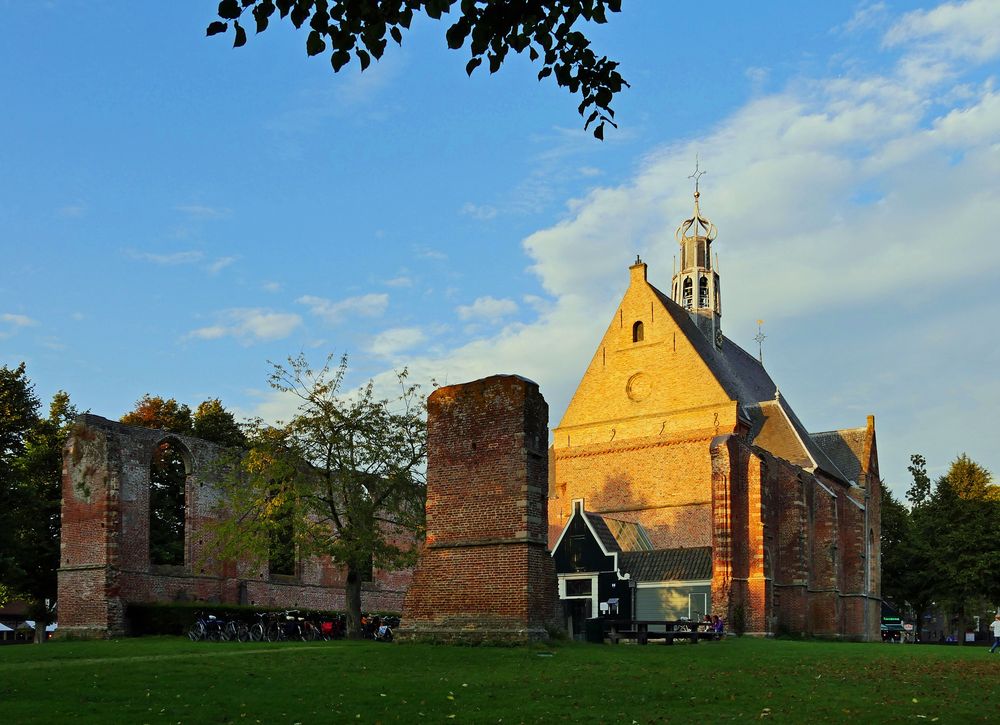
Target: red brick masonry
x: 485, y: 573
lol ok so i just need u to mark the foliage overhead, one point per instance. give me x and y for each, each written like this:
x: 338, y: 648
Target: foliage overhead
x: 358, y: 29
x: 343, y: 478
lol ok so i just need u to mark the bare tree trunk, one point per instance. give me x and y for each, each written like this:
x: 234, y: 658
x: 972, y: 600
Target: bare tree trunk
x: 352, y: 594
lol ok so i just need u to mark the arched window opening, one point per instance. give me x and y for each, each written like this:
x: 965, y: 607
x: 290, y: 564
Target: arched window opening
x: 281, y: 557
x: 168, y: 473
x: 637, y: 332
x: 687, y: 294
x: 703, y: 292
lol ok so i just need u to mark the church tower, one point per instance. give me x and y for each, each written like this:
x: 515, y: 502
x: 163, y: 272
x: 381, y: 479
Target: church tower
x: 696, y: 282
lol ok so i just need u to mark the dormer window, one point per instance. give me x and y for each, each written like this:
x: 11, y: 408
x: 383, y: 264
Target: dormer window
x: 637, y: 333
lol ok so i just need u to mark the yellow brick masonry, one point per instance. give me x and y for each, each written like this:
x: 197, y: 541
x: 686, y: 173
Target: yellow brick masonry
x: 634, y: 442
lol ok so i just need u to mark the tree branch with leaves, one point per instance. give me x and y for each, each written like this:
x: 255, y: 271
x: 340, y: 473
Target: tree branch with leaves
x: 546, y: 29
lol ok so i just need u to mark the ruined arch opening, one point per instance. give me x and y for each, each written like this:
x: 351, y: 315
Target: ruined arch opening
x: 169, y: 469
x: 282, y: 558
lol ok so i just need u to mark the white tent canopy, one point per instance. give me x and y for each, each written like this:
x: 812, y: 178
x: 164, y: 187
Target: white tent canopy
x: 5, y: 628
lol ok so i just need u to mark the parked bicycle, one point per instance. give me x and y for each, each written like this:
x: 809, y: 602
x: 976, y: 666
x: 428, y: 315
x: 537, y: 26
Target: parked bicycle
x: 206, y: 627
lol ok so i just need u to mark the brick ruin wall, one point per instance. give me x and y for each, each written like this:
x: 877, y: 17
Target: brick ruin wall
x: 485, y: 573
x: 105, y: 562
x: 789, y: 546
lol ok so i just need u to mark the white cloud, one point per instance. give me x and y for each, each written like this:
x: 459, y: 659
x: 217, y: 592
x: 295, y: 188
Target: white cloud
x: 369, y: 305
x: 487, y: 308
x: 391, y: 342
x: 169, y: 259
x: 867, y: 16
x: 72, y: 211
x: 951, y: 31
x: 11, y: 323
x: 220, y: 264
x: 482, y: 212
x: 427, y: 253
x: 400, y: 281
x: 16, y: 320
x: 271, y: 286
x: 250, y: 325
x: 201, y: 211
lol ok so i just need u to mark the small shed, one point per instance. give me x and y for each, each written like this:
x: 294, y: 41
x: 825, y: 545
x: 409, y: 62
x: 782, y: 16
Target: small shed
x: 608, y: 568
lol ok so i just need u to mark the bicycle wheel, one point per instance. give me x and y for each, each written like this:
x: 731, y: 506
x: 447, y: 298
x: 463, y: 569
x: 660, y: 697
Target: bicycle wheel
x: 197, y: 631
x: 230, y: 633
x: 256, y: 632
x: 274, y: 632
x: 242, y: 632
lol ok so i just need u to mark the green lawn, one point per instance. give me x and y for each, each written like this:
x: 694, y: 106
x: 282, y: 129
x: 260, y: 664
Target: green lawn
x: 170, y: 680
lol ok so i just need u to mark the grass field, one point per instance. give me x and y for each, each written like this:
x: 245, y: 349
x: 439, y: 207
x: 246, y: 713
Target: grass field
x: 172, y: 680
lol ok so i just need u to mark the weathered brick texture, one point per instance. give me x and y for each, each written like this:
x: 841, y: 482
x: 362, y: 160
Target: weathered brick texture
x: 485, y: 573
x: 105, y: 561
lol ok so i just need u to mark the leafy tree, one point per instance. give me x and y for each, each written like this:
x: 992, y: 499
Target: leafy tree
x: 906, y: 560
x: 343, y: 478
x: 155, y: 412
x: 920, y: 489
x: 956, y: 527
x: 212, y: 422
x: 347, y: 29
x: 18, y: 416
x: 30, y: 493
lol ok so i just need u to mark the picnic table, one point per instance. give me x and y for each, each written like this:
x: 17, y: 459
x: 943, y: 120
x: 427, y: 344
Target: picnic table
x: 643, y: 630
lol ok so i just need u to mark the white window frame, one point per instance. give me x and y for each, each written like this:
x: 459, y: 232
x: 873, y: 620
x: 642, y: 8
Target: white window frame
x: 594, y: 606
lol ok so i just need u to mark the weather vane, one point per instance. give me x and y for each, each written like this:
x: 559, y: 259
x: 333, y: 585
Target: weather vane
x: 697, y: 174
x: 760, y: 337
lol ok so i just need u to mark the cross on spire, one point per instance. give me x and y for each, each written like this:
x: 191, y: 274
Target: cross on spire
x: 760, y: 337
x: 698, y: 173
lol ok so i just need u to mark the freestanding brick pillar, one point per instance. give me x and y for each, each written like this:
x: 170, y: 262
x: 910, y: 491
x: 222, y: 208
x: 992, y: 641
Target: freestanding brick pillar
x: 485, y: 574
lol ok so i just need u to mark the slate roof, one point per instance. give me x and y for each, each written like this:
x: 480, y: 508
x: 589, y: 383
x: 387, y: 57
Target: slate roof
x: 603, y: 532
x: 659, y: 565
x: 845, y: 448
x: 745, y: 380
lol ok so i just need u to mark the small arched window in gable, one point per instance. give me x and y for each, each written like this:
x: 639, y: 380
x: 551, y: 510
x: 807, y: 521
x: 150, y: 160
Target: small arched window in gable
x: 637, y: 332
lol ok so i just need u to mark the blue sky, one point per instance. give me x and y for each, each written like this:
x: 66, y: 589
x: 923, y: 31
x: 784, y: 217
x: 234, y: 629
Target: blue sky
x: 174, y: 213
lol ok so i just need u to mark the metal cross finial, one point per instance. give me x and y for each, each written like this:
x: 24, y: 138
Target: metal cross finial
x: 760, y: 337
x: 698, y: 173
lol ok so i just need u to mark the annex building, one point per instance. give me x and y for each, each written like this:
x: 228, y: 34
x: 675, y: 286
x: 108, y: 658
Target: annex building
x: 682, y: 483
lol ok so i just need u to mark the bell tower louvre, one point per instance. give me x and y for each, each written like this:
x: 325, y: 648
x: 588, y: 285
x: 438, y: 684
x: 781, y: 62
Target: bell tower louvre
x: 695, y: 285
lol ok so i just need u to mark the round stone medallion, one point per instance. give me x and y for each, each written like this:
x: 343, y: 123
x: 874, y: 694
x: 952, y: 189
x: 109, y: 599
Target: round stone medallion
x: 639, y: 387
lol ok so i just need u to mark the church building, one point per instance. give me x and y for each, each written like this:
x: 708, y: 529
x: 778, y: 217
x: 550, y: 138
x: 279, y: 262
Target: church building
x: 679, y: 440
